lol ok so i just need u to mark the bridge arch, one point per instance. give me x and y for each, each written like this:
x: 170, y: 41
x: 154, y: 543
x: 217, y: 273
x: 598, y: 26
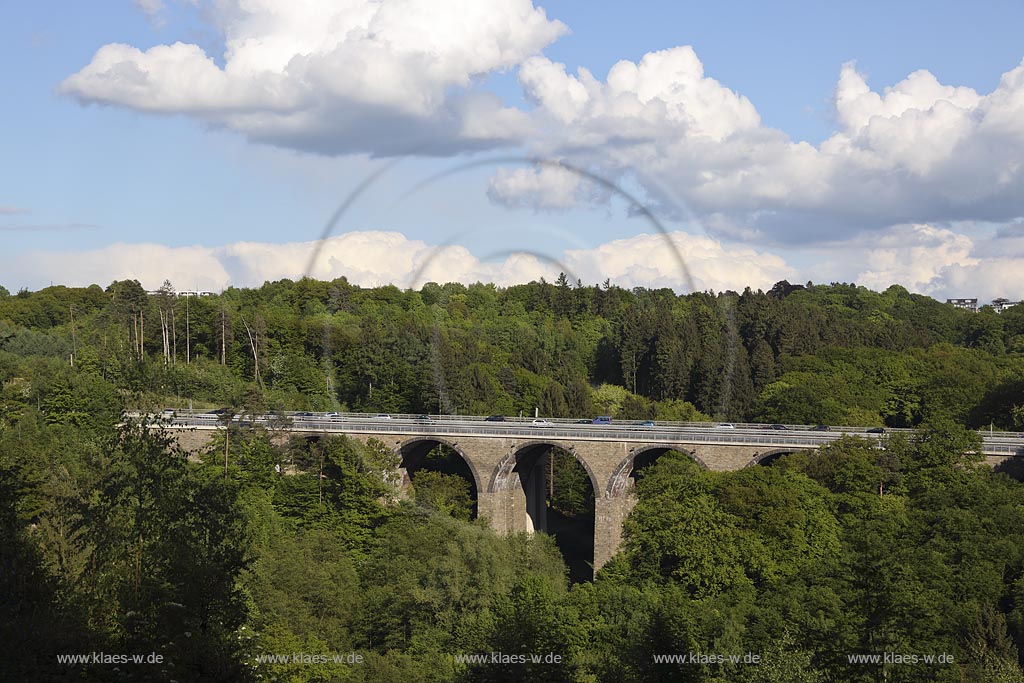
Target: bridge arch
x: 502, y: 477
x: 641, y: 457
x: 768, y: 458
x: 535, y: 499
x: 413, y: 451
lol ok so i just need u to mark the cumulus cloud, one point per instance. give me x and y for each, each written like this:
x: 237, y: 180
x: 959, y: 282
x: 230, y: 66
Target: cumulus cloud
x: 907, y: 170
x: 546, y: 187
x: 652, y: 261
x: 915, y: 256
x: 150, y: 264
x: 640, y: 102
x: 928, y: 259
x: 383, y: 77
x: 374, y: 258
x: 366, y: 258
x: 998, y: 277
x: 920, y: 151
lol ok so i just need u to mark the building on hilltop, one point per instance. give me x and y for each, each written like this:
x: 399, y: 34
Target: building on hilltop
x: 966, y: 304
x: 999, y: 305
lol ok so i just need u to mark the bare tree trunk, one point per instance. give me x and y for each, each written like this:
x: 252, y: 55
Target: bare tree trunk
x: 223, y: 335
x: 254, y: 345
x: 174, y: 339
x: 163, y: 333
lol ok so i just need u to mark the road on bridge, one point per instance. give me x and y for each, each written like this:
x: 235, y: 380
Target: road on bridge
x: 776, y: 436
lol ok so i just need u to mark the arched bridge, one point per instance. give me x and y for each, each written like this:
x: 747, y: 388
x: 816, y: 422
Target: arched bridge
x: 508, y: 460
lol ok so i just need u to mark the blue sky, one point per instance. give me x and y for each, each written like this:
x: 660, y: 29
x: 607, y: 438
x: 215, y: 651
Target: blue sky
x: 152, y: 162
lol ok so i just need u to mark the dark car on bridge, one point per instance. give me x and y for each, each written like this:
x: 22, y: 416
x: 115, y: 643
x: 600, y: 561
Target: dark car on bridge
x: 779, y: 427
x: 495, y: 418
x: 821, y: 428
x: 876, y: 430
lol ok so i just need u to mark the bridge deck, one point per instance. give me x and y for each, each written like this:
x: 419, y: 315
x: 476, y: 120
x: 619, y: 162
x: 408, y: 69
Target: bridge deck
x: 994, y: 444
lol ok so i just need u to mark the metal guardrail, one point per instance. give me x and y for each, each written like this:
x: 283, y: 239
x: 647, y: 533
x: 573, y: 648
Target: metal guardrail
x: 796, y: 436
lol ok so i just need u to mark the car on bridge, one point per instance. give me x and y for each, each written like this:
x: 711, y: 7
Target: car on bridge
x: 495, y: 418
x: 584, y: 422
x: 647, y: 423
x: 542, y: 423
x: 382, y: 416
x: 821, y: 428
x: 602, y: 420
x: 875, y: 430
x: 779, y: 427
x: 725, y: 425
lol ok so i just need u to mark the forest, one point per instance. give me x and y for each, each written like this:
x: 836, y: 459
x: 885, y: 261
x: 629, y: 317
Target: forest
x: 117, y: 542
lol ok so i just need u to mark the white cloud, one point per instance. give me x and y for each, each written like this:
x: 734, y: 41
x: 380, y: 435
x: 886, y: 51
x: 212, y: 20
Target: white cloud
x: 996, y: 272
x: 915, y: 256
x: 933, y: 260
x: 367, y: 258
x: 929, y: 259
x: 666, y: 90
x: 188, y: 267
x: 546, y: 187
x: 653, y: 261
x: 384, y: 77
x: 404, y: 77
x: 998, y: 277
x: 920, y: 151
x: 373, y: 258
x: 150, y: 8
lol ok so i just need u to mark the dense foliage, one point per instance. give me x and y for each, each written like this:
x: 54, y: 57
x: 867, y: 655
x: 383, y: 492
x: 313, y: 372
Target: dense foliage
x: 837, y: 354
x: 115, y: 542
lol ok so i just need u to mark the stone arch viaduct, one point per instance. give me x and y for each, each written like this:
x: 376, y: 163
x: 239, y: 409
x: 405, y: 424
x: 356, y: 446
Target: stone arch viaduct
x: 508, y: 461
